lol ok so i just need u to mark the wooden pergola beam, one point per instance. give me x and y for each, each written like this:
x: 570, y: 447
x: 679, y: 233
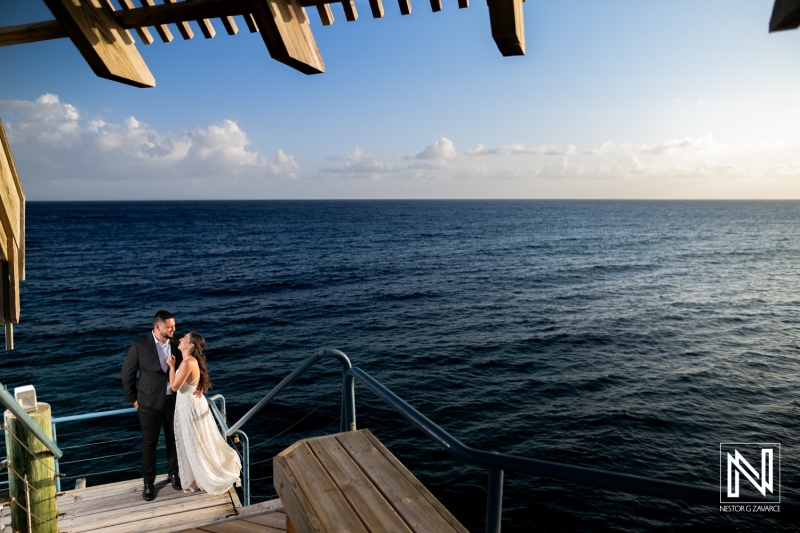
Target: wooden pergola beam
x: 31, y: 33
x: 100, y: 33
x: 785, y: 15
x: 508, y: 30
x: 325, y: 14
x: 143, y: 33
x: 376, y: 6
x: 286, y: 31
x: 105, y: 45
x: 161, y: 29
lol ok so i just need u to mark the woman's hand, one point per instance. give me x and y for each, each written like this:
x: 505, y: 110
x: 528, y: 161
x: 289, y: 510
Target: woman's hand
x: 171, y: 361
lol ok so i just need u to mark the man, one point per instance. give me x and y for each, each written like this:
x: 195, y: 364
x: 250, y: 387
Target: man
x: 152, y: 397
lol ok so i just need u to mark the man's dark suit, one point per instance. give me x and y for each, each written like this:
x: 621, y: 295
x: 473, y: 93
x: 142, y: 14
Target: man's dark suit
x: 155, y: 408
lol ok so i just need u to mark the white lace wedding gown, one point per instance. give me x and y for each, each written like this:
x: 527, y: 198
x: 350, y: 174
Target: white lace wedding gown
x: 203, y: 455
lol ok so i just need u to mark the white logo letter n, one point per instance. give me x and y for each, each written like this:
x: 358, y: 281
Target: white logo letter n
x: 741, y: 465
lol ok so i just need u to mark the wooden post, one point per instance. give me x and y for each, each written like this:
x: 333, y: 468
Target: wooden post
x: 39, y: 468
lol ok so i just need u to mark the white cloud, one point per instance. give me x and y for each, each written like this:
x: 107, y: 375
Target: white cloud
x: 679, y: 146
x: 600, y: 150
x: 519, y: 149
x: 359, y: 164
x: 443, y: 149
x: 131, y: 149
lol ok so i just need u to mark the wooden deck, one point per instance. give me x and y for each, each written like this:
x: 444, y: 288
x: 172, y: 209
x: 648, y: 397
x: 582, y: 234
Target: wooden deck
x: 119, y: 508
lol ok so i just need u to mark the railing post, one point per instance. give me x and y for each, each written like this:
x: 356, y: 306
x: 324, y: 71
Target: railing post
x: 55, y: 461
x: 494, y: 505
x: 348, y: 403
x: 245, y: 468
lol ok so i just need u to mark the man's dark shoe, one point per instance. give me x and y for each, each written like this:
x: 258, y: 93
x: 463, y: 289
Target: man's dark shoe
x: 149, y: 492
x: 176, y: 482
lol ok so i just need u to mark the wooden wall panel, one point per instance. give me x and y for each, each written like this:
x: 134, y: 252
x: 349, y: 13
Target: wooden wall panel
x: 12, y: 236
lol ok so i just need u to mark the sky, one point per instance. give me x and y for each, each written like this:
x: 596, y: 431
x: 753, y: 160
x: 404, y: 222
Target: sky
x: 614, y: 99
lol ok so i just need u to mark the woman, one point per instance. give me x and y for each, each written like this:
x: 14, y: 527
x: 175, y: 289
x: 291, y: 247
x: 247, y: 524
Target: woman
x: 205, y: 460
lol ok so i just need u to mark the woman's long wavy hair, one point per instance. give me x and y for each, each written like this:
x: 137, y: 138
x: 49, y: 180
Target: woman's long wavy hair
x: 199, y: 343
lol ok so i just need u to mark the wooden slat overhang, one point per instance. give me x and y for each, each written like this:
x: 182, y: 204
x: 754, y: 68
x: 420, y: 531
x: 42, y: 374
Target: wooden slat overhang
x: 12, y: 239
x: 101, y: 32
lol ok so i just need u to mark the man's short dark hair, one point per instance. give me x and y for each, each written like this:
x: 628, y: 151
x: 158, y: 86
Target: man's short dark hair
x: 162, y: 316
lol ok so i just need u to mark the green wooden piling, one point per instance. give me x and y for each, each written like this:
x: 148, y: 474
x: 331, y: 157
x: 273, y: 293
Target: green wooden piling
x: 27, y: 455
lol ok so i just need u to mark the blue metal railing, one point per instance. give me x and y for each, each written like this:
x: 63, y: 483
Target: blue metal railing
x: 497, y: 463
x: 75, y: 418
x: 219, y: 414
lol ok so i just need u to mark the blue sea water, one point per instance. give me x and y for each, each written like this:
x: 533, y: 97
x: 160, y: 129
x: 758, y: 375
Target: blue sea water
x: 631, y: 336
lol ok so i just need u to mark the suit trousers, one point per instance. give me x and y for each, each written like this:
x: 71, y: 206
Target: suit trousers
x: 151, y: 422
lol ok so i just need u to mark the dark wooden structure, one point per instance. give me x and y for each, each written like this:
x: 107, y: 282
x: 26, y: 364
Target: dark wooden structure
x: 100, y: 32
x: 12, y: 239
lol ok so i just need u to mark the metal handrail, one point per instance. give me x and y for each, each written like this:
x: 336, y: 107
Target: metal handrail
x: 220, y: 416
x: 74, y: 418
x: 497, y: 462
x: 17, y: 410
x: 348, y: 395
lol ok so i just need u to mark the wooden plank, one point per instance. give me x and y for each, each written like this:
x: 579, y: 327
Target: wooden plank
x: 132, y: 500
x: 251, y: 23
x: 376, y: 6
x: 274, y: 520
x: 230, y: 25
x: 109, y: 501
x: 414, y: 481
x: 31, y: 33
x: 104, y: 44
x: 234, y: 526
x: 161, y: 29
x: 405, y: 7
x: 325, y: 14
x: 183, y: 26
x: 350, y: 12
x: 367, y: 501
x: 292, y: 496
x: 206, y: 28
x: 269, y: 506
x: 508, y: 29
x: 287, y: 33
x: 785, y: 15
x: 266, y: 522
x: 172, y: 516
x: 409, y: 499
x: 298, y: 474
x: 436, y: 5
x: 143, y: 32
x: 462, y: 4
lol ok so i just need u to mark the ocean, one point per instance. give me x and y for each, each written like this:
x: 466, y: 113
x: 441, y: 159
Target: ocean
x: 632, y: 336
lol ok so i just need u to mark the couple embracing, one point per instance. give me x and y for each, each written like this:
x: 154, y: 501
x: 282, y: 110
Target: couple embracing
x: 172, y: 377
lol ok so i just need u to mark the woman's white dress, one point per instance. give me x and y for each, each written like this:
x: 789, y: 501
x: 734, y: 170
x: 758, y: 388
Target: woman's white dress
x: 203, y: 455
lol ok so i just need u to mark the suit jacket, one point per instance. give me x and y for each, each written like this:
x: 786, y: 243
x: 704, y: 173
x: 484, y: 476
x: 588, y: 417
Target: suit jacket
x: 142, y: 357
